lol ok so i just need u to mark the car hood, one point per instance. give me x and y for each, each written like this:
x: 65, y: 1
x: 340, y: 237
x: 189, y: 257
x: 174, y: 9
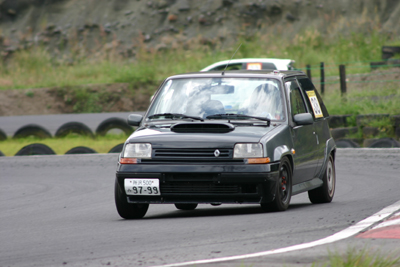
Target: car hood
x: 165, y: 138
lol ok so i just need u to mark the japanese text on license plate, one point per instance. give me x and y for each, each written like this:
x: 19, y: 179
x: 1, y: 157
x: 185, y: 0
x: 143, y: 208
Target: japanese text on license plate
x: 147, y: 187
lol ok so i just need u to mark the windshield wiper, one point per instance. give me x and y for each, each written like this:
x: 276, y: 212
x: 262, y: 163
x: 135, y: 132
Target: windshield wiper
x: 236, y: 116
x: 174, y: 115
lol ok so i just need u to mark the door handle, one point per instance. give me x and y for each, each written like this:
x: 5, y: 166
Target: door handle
x: 316, y: 136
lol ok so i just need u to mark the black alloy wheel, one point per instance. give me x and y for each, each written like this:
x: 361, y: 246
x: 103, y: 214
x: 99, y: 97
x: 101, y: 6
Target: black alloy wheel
x: 283, y: 189
x: 128, y: 210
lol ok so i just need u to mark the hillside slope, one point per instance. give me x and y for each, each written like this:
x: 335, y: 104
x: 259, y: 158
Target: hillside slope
x: 66, y: 27
x: 125, y: 24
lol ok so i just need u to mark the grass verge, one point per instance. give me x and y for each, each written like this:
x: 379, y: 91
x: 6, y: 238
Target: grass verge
x: 361, y: 258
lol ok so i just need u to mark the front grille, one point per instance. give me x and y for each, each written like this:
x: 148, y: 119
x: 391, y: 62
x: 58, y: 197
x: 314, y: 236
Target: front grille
x: 198, y: 188
x: 191, y: 177
x: 192, y: 153
x: 191, y: 161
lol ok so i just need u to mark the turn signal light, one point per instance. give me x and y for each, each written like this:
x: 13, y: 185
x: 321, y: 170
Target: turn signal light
x: 128, y: 161
x: 258, y: 161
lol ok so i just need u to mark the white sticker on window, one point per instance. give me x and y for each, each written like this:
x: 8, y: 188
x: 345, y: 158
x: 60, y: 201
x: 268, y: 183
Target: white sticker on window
x: 315, y: 104
x: 254, y: 66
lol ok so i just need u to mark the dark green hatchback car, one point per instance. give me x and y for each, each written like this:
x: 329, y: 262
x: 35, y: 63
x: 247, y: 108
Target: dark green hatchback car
x: 228, y: 137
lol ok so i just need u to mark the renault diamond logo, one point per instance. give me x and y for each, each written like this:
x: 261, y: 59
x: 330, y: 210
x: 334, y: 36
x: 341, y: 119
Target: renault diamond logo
x: 217, y: 153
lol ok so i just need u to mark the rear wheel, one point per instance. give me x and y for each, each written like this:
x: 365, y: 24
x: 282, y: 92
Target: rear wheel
x: 283, y: 189
x: 324, y: 194
x: 128, y: 210
x: 186, y: 206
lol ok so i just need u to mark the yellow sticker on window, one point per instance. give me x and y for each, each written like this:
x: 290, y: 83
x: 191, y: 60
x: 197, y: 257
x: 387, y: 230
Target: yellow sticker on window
x: 254, y: 66
x: 315, y: 104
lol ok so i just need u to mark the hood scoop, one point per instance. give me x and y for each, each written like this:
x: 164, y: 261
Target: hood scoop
x: 202, y: 127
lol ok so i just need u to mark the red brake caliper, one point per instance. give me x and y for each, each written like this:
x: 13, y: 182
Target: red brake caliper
x: 283, y: 183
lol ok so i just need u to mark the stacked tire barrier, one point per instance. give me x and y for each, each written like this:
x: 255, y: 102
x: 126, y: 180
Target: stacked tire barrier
x: 32, y: 130
x: 366, y: 135
x: 75, y: 128
x: 340, y: 129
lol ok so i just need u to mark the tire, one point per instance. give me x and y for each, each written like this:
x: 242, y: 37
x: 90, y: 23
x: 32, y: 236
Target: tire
x: 35, y: 149
x: 128, y: 210
x: 114, y: 123
x: 283, y: 189
x: 32, y: 130
x: 346, y: 143
x: 74, y: 128
x: 1, y: 154
x: 117, y: 148
x: 3, y: 135
x: 325, y: 193
x: 186, y: 206
x: 385, y: 143
x: 81, y: 150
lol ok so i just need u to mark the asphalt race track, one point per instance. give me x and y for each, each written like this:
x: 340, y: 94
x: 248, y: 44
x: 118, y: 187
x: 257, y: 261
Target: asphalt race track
x: 59, y: 211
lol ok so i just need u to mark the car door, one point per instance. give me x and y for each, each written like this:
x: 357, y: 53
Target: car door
x: 320, y: 114
x: 303, y: 136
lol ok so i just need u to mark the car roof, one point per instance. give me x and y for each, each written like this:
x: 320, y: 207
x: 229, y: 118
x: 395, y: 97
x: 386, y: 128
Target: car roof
x: 240, y: 73
x: 281, y: 64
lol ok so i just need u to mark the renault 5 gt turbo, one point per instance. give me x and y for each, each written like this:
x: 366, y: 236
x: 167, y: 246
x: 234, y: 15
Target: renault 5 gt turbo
x: 228, y: 137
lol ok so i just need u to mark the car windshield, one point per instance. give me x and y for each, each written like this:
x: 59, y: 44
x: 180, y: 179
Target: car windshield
x: 203, y: 97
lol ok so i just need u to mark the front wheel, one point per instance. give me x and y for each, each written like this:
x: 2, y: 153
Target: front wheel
x: 283, y: 189
x: 128, y: 210
x: 324, y: 194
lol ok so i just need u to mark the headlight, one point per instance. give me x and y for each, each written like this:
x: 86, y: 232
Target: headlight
x: 138, y: 150
x: 249, y: 150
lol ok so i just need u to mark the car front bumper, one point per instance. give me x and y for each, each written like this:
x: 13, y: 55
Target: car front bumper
x: 207, y: 183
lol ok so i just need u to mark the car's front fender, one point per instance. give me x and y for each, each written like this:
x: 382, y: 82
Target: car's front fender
x: 278, y: 143
x: 280, y: 152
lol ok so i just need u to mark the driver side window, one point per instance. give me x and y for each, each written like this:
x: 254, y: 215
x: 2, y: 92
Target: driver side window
x: 296, y: 101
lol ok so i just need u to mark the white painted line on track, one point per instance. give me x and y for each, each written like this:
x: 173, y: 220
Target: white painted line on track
x: 391, y: 222
x: 346, y: 233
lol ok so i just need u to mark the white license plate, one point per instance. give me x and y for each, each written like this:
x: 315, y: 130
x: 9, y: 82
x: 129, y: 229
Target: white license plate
x: 142, y: 187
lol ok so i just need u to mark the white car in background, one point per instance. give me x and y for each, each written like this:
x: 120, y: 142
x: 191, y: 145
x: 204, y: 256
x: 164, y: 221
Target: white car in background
x: 252, y: 64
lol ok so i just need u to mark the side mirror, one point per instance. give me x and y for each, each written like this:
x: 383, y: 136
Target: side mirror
x: 134, y: 119
x: 303, y: 119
